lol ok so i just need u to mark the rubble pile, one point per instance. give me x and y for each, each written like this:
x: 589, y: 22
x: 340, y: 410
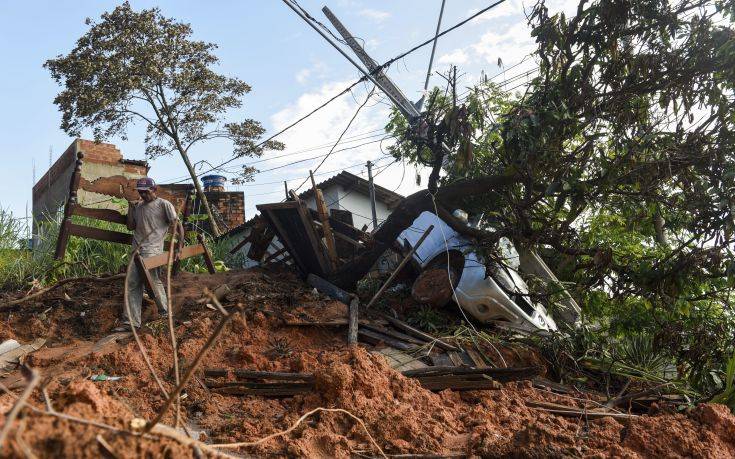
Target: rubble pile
x: 92, y: 374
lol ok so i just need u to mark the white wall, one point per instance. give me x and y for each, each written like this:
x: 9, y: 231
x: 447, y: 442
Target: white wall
x: 338, y: 197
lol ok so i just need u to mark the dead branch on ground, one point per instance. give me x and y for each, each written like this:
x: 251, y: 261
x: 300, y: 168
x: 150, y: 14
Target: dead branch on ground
x: 190, y: 371
x: 18, y: 301
x: 19, y: 404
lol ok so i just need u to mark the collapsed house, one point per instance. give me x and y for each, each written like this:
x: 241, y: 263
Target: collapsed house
x: 347, y: 199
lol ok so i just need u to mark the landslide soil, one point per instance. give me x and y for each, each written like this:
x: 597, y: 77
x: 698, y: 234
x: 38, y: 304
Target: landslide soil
x: 397, y: 414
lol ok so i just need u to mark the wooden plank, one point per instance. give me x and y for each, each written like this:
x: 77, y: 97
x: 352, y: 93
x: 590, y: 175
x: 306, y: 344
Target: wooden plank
x: 107, y: 215
x: 348, y: 239
x: 477, y: 359
x: 162, y: 258
x: 211, y: 383
x: 315, y: 241
x: 321, y: 208
x: 100, y: 234
x: 327, y: 229
x: 375, y: 338
x: 241, y: 244
x: 331, y: 323
x: 440, y: 360
x: 148, y: 281
x: 254, y: 374
x: 396, y: 334
x: 344, y: 228
x: 117, y: 186
x: 499, y: 374
x: 267, y: 211
x: 345, y: 244
x: 455, y: 358
x: 71, y: 201
x: 207, y: 254
x: 399, y: 360
x: 419, y: 334
x: 327, y: 288
x: 459, y: 384
x: 188, y: 204
x: 260, y: 237
x: 275, y: 255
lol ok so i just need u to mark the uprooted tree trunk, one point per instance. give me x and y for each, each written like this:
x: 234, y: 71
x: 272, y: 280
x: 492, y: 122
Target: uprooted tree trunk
x: 403, y: 216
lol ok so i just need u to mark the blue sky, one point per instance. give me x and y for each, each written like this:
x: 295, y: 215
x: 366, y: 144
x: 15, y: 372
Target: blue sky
x: 291, y: 70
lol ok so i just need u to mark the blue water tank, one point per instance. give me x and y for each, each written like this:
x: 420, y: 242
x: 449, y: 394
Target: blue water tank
x: 216, y: 182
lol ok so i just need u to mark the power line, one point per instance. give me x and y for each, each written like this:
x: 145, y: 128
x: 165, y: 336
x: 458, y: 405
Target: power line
x: 307, y: 159
x: 383, y: 137
x: 352, y: 166
x: 433, y: 47
x: 436, y: 37
x: 353, y: 138
x: 360, y: 80
x: 340, y: 94
x: 340, y: 136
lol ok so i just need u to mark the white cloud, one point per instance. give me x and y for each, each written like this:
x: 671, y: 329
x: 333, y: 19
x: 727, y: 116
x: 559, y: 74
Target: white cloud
x: 511, y: 44
x: 324, y: 127
x: 317, y: 70
x: 456, y: 57
x: 303, y: 75
x: 375, y: 15
x: 505, y: 9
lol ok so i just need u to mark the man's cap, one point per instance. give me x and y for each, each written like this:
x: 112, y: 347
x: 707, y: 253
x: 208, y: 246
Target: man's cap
x: 145, y: 183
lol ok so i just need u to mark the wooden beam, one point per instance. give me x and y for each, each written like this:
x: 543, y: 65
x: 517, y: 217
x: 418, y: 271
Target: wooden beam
x: 321, y: 208
x: 148, y: 281
x: 162, y: 258
x: 338, y: 235
x: 107, y: 215
x: 275, y: 255
x: 327, y: 288
x: 395, y: 334
x: 311, y: 233
x: 71, y: 201
x: 344, y: 228
x: 458, y: 384
x: 419, y: 334
x: 498, y: 374
x: 100, y: 234
x: 252, y: 374
x: 375, y: 338
x: 207, y: 254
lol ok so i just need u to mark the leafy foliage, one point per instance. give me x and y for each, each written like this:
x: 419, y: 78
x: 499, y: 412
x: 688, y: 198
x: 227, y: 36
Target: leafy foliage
x: 620, y: 155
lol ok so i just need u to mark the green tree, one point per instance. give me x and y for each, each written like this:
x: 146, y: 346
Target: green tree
x: 143, y: 67
x: 617, y: 163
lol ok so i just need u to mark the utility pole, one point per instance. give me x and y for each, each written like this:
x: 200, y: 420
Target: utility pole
x: 372, y: 194
x: 433, y: 48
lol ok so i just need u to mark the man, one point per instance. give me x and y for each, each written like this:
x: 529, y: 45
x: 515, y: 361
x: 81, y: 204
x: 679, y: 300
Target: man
x: 150, y: 219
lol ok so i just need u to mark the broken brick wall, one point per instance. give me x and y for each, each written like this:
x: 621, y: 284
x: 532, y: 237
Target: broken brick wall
x: 100, y: 160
